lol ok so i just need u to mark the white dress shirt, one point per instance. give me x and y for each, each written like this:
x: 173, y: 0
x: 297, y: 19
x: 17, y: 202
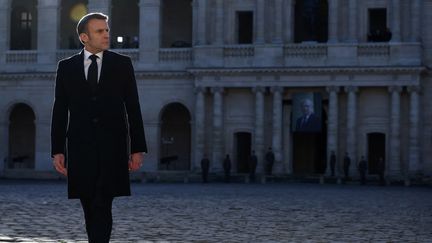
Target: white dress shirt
x: 88, y: 61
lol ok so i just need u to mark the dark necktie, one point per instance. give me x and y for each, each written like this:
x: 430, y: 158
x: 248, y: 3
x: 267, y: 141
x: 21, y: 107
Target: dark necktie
x: 92, y: 75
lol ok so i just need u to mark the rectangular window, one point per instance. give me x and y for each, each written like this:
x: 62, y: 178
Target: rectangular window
x: 245, y: 27
x: 378, y: 30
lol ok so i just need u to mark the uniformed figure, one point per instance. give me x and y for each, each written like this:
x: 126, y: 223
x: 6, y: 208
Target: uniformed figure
x: 362, y: 167
x: 227, y: 168
x: 332, y: 163
x: 346, y: 165
x: 270, y: 158
x: 253, y: 161
x: 205, y: 166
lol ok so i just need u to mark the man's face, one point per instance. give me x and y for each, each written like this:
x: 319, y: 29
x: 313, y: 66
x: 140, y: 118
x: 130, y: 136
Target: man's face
x: 307, y: 108
x: 97, y: 38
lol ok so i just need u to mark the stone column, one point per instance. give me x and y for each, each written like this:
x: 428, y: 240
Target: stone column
x: 260, y: 21
x: 277, y: 126
x: 351, y: 127
x: 5, y: 10
x: 201, y: 23
x: 48, y: 26
x: 289, y: 21
x: 218, y: 141
x: 415, y: 20
x: 277, y: 37
x: 333, y: 21
x: 396, y: 24
x: 393, y: 163
x: 199, y: 125
x: 219, y: 25
x: 352, y: 21
x: 149, y: 31
x: 259, y: 126
x: 102, y: 6
x: 413, y: 161
x: 332, y: 128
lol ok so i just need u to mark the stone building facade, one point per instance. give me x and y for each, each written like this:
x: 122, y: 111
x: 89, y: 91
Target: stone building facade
x: 220, y: 77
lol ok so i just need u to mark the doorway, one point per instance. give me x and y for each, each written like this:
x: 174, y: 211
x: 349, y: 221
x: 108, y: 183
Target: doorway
x: 243, y: 150
x: 175, y: 138
x: 22, y: 136
x: 376, y: 150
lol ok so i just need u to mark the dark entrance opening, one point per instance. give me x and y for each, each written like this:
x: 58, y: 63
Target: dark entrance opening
x: 311, y: 21
x: 243, y: 144
x: 22, y: 136
x: 309, y: 150
x: 378, y: 31
x: 175, y: 138
x: 376, y: 150
x: 245, y: 27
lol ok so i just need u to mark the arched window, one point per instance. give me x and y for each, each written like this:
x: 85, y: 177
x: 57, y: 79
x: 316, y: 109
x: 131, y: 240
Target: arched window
x: 71, y: 12
x: 23, y: 34
x: 311, y: 21
x: 22, y: 133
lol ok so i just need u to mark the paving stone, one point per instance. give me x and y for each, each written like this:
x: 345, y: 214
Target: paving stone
x: 33, y: 211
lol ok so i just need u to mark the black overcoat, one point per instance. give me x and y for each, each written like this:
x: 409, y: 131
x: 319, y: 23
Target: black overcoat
x: 97, y: 129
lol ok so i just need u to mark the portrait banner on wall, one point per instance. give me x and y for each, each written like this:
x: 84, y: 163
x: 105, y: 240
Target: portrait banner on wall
x: 307, y: 112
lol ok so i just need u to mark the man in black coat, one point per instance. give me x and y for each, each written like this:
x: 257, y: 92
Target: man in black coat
x: 346, y: 165
x: 97, y: 117
x: 362, y: 167
x: 270, y: 158
x: 332, y: 163
x: 227, y: 168
x: 205, y: 167
x: 253, y: 162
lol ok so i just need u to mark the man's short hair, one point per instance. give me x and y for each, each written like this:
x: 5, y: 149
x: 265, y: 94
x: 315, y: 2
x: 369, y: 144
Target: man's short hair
x: 83, y: 23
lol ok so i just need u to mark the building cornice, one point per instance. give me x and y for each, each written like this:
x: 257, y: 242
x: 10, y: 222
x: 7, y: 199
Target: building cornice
x: 309, y: 70
x: 190, y: 73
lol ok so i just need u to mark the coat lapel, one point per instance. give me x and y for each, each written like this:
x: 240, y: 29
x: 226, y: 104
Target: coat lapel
x: 79, y: 65
x: 106, y: 66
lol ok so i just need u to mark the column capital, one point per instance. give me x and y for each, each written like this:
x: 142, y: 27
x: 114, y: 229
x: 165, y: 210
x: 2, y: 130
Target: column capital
x: 276, y: 89
x: 214, y: 90
x: 350, y: 89
x: 200, y: 89
x: 414, y: 89
x: 395, y: 88
x: 333, y: 89
x: 258, y: 89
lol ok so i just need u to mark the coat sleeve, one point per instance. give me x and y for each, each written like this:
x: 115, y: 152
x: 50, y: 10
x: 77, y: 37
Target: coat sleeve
x: 136, y: 127
x: 60, y: 118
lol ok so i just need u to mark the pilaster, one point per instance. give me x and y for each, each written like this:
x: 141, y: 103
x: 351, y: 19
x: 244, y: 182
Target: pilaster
x: 277, y: 37
x: 5, y: 10
x: 333, y: 21
x: 413, y: 161
x: 332, y: 127
x: 259, y: 125
x: 351, y: 127
x: 260, y: 21
x: 48, y: 27
x: 396, y: 24
x: 277, y: 126
x: 218, y: 142
x: 393, y: 164
x: 149, y: 31
x: 199, y: 125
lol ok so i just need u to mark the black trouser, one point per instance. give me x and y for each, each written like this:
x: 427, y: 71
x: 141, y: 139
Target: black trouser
x: 98, y: 217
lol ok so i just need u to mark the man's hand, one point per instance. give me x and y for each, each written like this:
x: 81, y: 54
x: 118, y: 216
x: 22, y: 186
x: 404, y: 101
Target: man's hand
x: 59, y: 164
x: 135, y: 161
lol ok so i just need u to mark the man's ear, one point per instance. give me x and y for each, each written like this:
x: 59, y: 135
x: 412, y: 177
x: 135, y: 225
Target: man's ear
x: 83, y: 37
